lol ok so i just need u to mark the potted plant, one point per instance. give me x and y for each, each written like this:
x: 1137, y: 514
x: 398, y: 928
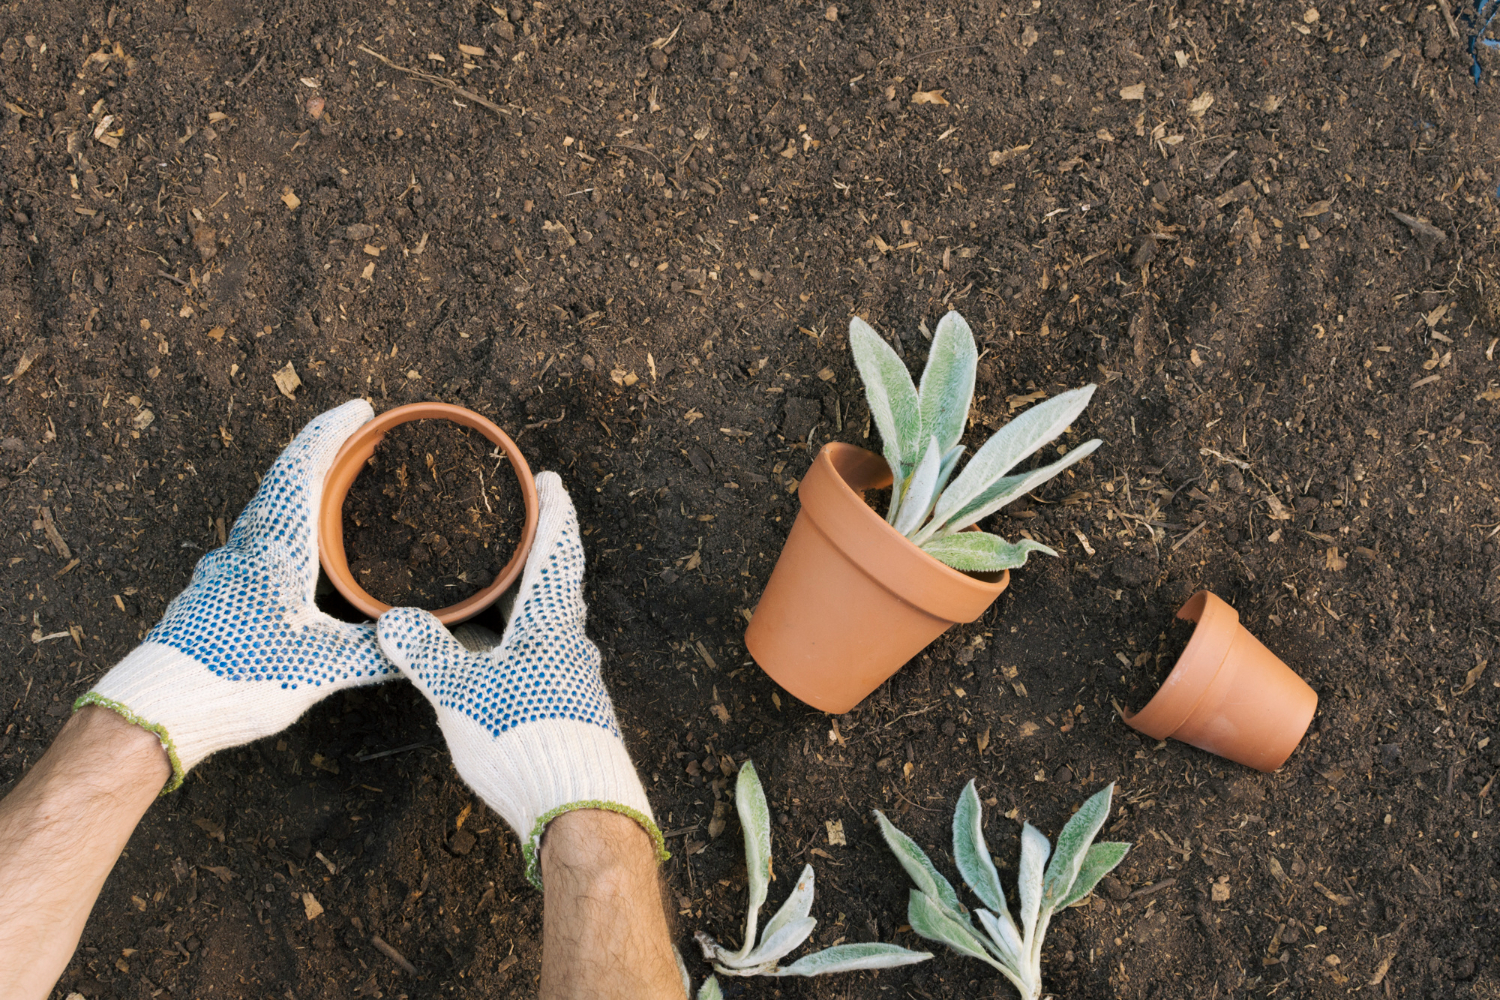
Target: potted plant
x: 854, y: 595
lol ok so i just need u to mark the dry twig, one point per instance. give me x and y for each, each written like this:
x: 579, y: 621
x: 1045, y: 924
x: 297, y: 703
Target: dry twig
x: 437, y: 81
x: 253, y: 70
x: 392, y: 954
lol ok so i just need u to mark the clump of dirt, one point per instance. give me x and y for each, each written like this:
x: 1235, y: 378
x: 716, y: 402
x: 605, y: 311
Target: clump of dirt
x: 878, y: 500
x: 432, y: 518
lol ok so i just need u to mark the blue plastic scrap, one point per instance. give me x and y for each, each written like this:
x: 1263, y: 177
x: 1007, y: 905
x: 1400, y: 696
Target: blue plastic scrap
x: 1485, y: 12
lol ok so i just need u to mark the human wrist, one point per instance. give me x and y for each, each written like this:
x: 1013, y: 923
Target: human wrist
x: 582, y: 834
x: 596, y: 845
x: 133, y: 745
x: 99, y: 744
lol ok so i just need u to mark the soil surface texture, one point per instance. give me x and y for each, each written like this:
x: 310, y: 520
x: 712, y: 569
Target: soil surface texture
x: 633, y: 235
x: 431, y: 519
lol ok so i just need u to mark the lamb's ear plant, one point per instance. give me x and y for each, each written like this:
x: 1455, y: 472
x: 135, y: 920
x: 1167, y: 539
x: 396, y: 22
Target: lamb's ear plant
x: 919, y: 432
x: 792, y: 924
x: 1012, y: 944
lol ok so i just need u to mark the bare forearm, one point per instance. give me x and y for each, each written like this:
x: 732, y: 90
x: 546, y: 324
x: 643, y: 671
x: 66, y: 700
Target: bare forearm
x: 61, y: 830
x: 605, y: 932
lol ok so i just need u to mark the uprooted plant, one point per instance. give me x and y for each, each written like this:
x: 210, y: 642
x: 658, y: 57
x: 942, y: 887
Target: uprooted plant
x: 920, y: 430
x: 1077, y: 865
x: 791, y: 925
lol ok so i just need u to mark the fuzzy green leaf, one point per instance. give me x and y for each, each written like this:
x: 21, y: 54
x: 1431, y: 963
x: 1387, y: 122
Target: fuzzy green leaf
x: 1073, y: 843
x: 948, y: 381
x: 1100, y: 860
x: 797, y: 906
x: 920, y: 490
x: 929, y: 919
x: 755, y: 820
x: 851, y: 958
x: 1006, y: 489
x: 1011, y: 445
x: 894, y: 404
x: 950, y: 462
x: 981, y: 552
x: 774, y: 947
x: 710, y: 990
x: 1034, y: 851
x: 970, y: 852
x: 1002, y: 932
x: 918, y: 865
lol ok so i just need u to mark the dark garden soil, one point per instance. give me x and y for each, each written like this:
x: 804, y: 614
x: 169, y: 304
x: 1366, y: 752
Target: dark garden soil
x: 642, y: 265
x: 424, y: 526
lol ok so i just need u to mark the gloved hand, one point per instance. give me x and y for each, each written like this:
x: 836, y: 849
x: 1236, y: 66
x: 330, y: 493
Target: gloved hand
x: 529, y: 722
x: 243, y: 651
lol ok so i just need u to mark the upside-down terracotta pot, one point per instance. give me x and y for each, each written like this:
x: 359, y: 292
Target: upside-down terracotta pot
x: 852, y: 599
x: 1228, y: 694
x: 352, y: 458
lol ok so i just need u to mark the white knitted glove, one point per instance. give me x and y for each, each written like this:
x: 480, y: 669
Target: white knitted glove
x: 243, y: 651
x: 529, y: 722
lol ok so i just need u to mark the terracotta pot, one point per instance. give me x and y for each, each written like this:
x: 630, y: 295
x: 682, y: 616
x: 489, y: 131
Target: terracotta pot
x: 1228, y: 694
x: 352, y: 458
x: 852, y: 599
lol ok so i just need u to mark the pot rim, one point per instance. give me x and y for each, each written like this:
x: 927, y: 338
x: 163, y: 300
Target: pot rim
x: 1200, y: 662
x: 831, y: 495
x: 345, y: 469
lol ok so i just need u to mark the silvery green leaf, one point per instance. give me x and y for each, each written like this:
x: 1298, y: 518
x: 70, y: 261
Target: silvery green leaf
x: 1034, y: 851
x: 851, y: 958
x: 745, y: 971
x: 755, y: 819
x: 709, y: 946
x: 894, y: 405
x: 1100, y: 860
x: 929, y: 919
x: 1073, y: 842
x: 917, y: 865
x: 723, y: 959
x: 948, y: 381
x: 774, y: 946
x: 1011, y: 445
x: 971, y: 854
x: 981, y: 552
x: 1007, y: 489
x: 920, y: 489
x: 1002, y: 931
x: 950, y: 462
x: 797, y: 906
x: 710, y: 990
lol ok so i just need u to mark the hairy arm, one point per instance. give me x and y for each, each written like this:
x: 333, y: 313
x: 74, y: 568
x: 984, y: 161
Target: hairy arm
x: 61, y: 829
x: 605, y: 934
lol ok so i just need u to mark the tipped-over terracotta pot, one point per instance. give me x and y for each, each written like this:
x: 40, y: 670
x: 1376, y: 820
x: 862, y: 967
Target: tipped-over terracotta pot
x: 352, y: 458
x: 1228, y: 694
x: 851, y: 598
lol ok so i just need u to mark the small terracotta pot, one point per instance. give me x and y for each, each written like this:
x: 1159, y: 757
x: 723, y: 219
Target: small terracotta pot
x: 852, y: 599
x: 1228, y: 694
x: 352, y: 458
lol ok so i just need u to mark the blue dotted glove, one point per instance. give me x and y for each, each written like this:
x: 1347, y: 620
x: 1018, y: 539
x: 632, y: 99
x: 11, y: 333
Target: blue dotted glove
x: 243, y: 651
x: 528, y: 721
